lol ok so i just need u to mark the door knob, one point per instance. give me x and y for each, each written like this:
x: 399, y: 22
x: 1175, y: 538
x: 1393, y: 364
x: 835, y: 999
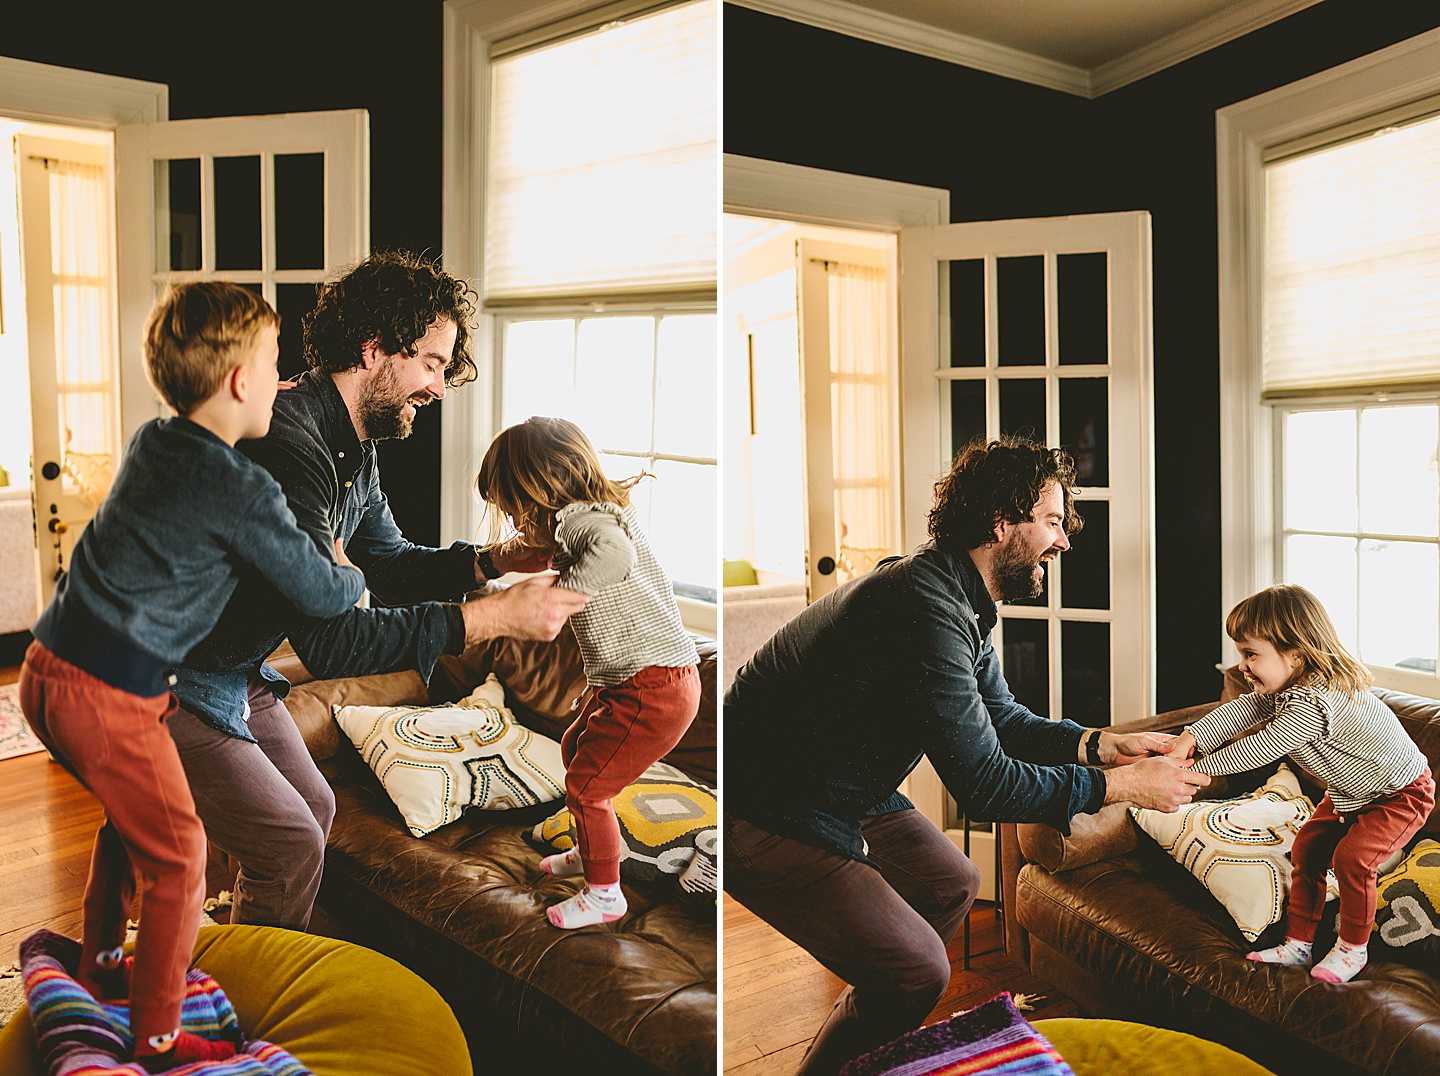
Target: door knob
x: 58, y: 526
x: 51, y: 470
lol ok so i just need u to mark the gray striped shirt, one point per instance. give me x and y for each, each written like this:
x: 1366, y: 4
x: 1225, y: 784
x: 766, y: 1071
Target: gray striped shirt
x: 631, y: 621
x: 1354, y: 745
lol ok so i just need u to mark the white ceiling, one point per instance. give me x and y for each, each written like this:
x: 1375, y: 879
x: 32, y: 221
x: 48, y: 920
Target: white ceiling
x: 1085, y: 47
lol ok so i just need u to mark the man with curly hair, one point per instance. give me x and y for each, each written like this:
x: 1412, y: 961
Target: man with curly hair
x: 384, y: 340
x: 828, y: 718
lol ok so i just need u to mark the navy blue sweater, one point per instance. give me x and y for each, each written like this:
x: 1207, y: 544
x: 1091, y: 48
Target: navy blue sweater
x: 829, y: 717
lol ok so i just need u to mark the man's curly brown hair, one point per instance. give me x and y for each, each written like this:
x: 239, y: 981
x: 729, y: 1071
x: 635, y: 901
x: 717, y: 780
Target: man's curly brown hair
x: 392, y: 297
x: 995, y: 480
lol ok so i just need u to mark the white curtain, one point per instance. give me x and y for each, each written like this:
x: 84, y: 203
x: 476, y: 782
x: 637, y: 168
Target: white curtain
x: 601, y: 164
x: 79, y: 226
x: 1352, y: 263
x: 863, y: 467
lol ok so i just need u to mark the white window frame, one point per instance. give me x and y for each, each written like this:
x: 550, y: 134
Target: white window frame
x: 471, y: 417
x: 1370, y: 88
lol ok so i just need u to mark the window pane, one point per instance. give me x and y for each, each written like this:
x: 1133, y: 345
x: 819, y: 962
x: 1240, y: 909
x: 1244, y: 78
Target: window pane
x: 292, y: 303
x: 177, y: 215
x: 967, y: 312
x: 967, y: 413
x: 1085, y: 671
x: 300, y: 211
x: 1022, y: 408
x: 1398, y: 487
x: 685, y: 395
x: 1320, y: 471
x: 1085, y: 566
x: 237, y: 212
x: 1399, y: 582
x: 1026, y: 651
x: 682, y: 522
x: 614, y: 391
x: 1326, y: 566
x: 539, y: 377
x: 1084, y: 311
x: 1020, y: 294
x: 1085, y: 427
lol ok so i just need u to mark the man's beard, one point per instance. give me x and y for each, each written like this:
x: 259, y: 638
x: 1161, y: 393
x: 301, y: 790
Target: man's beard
x: 1015, y: 574
x: 382, y: 409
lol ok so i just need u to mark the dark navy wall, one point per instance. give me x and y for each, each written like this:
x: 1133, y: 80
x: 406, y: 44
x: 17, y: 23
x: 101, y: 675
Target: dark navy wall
x: 1008, y: 149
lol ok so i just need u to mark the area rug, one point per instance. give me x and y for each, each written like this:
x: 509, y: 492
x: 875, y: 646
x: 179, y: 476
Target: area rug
x: 15, y: 736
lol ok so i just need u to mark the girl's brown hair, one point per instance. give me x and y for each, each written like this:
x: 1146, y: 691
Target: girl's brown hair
x: 1290, y: 618
x: 535, y: 468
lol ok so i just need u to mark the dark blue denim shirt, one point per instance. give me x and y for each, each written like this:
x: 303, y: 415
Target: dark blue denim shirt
x: 829, y: 717
x: 186, y: 517
x: 331, y: 480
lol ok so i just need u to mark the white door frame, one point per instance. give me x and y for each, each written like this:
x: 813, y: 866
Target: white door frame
x: 49, y: 94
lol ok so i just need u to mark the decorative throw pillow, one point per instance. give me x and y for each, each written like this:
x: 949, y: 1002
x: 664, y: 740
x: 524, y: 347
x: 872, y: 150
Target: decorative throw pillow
x: 1239, y: 848
x: 990, y: 1038
x: 665, y: 818
x: 435, y: 761
x: 1407, y: 908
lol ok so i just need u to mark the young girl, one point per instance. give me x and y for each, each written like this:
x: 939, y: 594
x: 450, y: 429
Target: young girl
x: 1311, y: 701
x: 639, y: 662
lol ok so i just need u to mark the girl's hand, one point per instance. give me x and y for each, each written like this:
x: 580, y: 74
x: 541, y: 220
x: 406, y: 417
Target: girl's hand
x: 519, y: 554
x: 1183, y: 747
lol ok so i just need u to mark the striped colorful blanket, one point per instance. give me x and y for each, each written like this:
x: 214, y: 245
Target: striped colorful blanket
x: 992, y: 1039
x: 79, y: 1036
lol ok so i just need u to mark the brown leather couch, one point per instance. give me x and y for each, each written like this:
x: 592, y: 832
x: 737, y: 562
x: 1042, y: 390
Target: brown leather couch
x: 465, y: 906
x: 1113, y: 922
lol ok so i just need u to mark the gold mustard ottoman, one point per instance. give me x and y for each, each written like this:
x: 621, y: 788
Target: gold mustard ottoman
x: 341, y: 1009
x: 1119, y: 1048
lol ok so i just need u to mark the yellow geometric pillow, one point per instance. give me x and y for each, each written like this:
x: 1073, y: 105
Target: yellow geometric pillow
x: 435, y: 761
x: 1407, y: 907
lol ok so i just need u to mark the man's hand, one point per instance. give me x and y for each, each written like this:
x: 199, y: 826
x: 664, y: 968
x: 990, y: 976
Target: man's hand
x: 518, y: 554
x: 1157, y: 783
x: 532, y: 609
x: 1116, y: 750
x: 1182, y: 748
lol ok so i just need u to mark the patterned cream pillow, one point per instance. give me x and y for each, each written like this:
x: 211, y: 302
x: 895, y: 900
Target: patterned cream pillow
x: 1239, y: 848
x: 435, y: 761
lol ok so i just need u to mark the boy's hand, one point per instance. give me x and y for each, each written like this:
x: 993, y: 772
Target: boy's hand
x: 340, y: 557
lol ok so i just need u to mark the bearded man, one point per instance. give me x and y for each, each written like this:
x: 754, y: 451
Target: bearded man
x: 828, y: 718
x: 384, y: 340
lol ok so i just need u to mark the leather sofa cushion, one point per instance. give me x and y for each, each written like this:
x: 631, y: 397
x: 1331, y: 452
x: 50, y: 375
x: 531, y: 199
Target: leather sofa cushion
x: 1140, y: 919
x: 1108, y: 832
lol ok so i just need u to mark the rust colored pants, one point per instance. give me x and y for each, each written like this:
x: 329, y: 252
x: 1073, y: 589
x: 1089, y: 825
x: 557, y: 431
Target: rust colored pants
x: 621, y: 730
x: 118, y: 746
x: 1354, y: 845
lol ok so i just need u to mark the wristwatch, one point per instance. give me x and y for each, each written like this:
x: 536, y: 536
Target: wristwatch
x: 1092, y: 748
x: 486, y: 563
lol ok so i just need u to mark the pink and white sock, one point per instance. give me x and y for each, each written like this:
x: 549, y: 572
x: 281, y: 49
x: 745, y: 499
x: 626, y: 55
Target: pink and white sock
x: 593, y: 904
x: 563, y: 864
x: 1341, y: 964
x: 1291, y: 951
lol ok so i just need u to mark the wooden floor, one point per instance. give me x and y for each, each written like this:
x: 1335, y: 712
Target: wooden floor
x: 777, y: 996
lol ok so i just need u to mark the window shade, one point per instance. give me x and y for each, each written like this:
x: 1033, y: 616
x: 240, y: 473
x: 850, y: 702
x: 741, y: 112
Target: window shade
x: 601, y: 171
x: 1352, y: 264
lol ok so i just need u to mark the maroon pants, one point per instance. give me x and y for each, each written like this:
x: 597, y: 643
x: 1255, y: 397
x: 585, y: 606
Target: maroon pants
x: 621, y: 730
x: 1354, y: 845
x: 117, y: 744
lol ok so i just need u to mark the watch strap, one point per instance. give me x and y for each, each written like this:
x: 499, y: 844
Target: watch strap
x: 1092, y: 748
x: 487, y: 563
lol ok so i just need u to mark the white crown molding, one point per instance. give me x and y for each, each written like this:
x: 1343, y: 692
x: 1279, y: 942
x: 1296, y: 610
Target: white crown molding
x: 855, y: 21
x: 924, y: 40
x: 1190, y: 41
x: 36, y: 91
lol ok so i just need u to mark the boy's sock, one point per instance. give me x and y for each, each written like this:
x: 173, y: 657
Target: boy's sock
x: 563, y: 864
x: 1341, y: 964
x: 1291, y: 951
x: 593, y: 904
x: 109, y: 979
x: 187, y: 1049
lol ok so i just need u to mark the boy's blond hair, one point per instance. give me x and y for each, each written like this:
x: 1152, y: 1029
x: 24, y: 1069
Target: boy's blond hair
x: 1290, y: 618
x: 535, y: 468
x: 196, y: 334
